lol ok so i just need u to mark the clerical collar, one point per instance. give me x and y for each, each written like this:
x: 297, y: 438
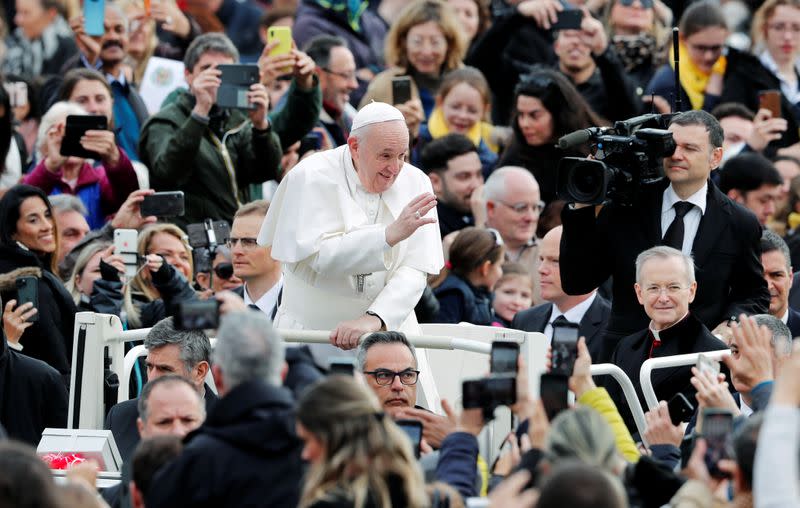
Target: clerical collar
x: 657, y: 333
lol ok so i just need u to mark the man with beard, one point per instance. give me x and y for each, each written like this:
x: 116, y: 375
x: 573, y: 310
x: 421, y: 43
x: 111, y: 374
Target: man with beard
x: 586, y: 58
x: 336, y: 68
x: 106, y: 54
x: 453, y: 165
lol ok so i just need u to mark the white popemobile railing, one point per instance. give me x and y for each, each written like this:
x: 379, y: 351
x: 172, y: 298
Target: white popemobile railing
x: 645, y: 374
x: 95, y: 332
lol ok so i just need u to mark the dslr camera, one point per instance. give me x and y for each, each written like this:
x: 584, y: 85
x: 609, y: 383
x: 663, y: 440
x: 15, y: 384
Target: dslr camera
x: 627, y: 155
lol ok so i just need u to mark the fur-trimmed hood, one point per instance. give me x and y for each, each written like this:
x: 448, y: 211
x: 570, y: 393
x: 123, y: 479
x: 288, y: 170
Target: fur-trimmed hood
x: 8, y: 280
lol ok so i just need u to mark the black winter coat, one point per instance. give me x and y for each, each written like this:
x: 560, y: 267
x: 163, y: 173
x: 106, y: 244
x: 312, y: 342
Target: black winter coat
x: 32, y: 396
x: 50, y: 337
x: 245, y: 454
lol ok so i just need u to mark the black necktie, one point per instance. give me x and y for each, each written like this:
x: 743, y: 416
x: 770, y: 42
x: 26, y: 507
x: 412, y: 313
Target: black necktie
x: 560, y: 320
x: 674, y: 235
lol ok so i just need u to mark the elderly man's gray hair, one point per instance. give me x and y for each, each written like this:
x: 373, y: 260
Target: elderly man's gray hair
x: 664, y: 252
x: 194, y: 344
x: 781, y: 335
x: 67, y: 203
x: 248, y: 349
x: 495, y: 187
x: 382, y: 338
x: 143, y: 403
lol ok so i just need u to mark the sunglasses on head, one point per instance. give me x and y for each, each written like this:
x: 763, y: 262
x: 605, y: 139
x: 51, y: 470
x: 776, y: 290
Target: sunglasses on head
x: 647, y: 4
x: 224, y: 270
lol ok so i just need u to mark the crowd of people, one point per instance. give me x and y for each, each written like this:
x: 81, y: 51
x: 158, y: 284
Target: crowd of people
x: 400, y: 164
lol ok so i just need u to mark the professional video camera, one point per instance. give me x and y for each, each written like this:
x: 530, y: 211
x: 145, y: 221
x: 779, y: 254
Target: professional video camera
x: 627, y: 155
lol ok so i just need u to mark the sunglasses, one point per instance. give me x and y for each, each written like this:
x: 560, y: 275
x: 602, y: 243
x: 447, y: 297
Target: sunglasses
x: 647, y: 4
x: 224, y: 270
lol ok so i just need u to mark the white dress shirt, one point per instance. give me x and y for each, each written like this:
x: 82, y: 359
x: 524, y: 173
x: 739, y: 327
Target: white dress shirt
x: 790, y: 89
x: 573, y: 315
x: 268, y: 300
x: 691, y: 221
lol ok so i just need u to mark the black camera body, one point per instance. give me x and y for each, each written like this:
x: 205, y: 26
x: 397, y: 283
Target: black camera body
x: 628, y: 155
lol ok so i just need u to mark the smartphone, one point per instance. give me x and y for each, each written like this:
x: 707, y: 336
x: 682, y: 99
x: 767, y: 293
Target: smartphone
x: 125, y: 243
x: 706, y: 364
x: 488, y: 393
x: 680, y: 409
x: 345, y: 366
x: 504, y: 357
x: 568, y: 19
x: 197, y: 315
x: 771, y: 100
x: 554, y: 392
x: 76, y: 127
x: 236, y: 80
x: 282, y: 34
x: 147, y: 10
x: 200, y: 233
x: 94, y: 13
x: 717, y: 430
x: 163, y: 204
x: 28, y: 291
x: 413, y: 430
x: 565, y: 348
x: 401, y: 89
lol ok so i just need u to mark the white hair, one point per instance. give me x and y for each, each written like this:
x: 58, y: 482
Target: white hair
x: 248, y: 349
x: 494, y: 189
x: 664, y: 252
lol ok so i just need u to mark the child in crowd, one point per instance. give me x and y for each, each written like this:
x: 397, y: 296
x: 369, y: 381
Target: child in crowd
x: 474, y: 266
x: 512, y: 293
x: 463, y: 102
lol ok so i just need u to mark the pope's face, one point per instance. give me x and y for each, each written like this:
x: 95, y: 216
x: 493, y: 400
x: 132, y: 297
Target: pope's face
x: 380, y: 154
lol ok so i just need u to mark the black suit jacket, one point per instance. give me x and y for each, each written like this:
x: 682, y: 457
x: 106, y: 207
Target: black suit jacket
x: 121, y: 421
x: 726, y: 253
x: 591, y: 326
x: 793, y: 322
x: 687, y: 336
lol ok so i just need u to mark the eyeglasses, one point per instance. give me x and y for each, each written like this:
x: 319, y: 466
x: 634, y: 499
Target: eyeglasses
x: 647, y: 4
x: 784, y: 27
x: 521, y: 208
x: 247, y: 243
x: 436, y: 43
x: 702, y: 48
x: 224, y: 270
x: 347, y: 76
x: 671, y: 290
x: 386, y: 377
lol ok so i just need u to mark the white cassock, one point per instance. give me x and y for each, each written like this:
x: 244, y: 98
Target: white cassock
x: 329, y: 234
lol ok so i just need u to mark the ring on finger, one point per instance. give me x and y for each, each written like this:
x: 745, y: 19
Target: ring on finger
x: 417, y: 215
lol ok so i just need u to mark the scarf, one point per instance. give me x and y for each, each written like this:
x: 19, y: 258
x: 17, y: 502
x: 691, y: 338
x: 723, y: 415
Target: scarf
x: 352, y: 8
x: 26, y: 57
x: 635, y: 50
x: 693, y: 80
x: 481, y: 131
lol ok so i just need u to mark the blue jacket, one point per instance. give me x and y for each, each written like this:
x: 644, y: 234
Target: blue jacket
x: 460, y: 301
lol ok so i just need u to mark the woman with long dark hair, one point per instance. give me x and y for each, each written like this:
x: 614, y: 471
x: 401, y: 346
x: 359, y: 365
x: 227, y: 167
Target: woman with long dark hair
x: 546, y: 107
x: 28, y: 244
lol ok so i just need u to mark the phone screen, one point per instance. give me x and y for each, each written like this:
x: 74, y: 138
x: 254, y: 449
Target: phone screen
x: 553, y: 390
x: 680, y: 409
x: 565, y: 348
x: 413, y: 430
x: 504, y: 357
x: 717, y: 429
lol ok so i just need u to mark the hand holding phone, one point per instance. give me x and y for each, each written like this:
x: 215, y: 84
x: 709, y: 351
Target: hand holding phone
x: 125, y: 247
x: 94, y: 13
x: 554, y: 392
x: 680, y: 409
x: 771, y: 101
x: 282, y: 36
x: 401, y: 89
x: 197, y: 315
x: 413, y: 430
x: 163, y: 204
x: 28, y: 292
x: 564, y: 347
x: 504, y: 357
x: 717, y: 431
x: 76, y: 129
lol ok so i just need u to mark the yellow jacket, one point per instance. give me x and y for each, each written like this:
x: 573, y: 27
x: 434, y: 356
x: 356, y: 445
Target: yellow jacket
x: 599, y: 400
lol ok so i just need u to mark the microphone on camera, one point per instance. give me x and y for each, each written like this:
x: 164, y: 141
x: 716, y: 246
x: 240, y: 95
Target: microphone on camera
x: 579, y: 137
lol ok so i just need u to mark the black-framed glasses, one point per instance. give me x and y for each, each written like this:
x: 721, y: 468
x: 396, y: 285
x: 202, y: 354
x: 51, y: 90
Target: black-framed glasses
x: 347, y: 76
x: 247, y: 243
x: 385, y: 377
x: 224, y: 270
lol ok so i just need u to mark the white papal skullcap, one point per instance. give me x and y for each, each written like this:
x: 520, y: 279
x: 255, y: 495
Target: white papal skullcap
x: 376, y: 112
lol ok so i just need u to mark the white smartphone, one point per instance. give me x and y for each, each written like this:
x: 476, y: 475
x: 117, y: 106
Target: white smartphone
x: 125, y: 241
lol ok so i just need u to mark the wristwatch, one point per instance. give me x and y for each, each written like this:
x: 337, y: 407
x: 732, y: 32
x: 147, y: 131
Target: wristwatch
x: 370, y: 313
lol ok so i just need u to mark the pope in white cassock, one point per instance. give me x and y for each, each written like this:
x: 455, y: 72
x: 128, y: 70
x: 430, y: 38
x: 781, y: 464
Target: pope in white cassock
x: 354, y: 228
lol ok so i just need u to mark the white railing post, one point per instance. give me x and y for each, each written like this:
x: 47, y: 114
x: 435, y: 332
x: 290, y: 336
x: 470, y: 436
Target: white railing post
x: 645, y: 378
